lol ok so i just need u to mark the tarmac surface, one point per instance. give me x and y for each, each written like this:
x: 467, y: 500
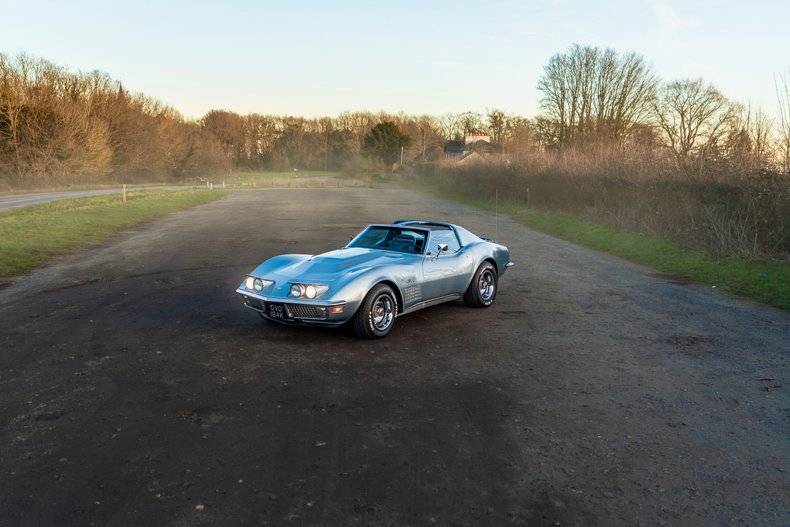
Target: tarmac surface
x: 15, y: 201
x: 135, y: 388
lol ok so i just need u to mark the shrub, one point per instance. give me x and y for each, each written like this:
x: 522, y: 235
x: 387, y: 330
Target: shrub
x: 746, y: 214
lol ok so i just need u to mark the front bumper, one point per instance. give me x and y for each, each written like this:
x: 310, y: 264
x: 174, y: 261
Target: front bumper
x: 292, y: 311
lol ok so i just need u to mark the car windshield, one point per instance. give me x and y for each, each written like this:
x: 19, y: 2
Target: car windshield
x: 410, y: 241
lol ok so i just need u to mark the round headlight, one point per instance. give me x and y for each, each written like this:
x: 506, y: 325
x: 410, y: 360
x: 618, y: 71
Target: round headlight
x: 309, y: 291
x: 296, y: 290
x: 257, y: 284
x: 249, y: 283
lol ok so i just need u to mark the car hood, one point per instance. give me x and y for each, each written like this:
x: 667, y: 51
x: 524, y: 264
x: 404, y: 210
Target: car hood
x: 327, y: 267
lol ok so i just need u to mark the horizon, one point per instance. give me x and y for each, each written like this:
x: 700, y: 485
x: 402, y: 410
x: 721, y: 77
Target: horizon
x: 247, y: 58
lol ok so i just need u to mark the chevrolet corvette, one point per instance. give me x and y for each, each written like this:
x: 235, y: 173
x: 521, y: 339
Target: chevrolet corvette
x: 386, y: 271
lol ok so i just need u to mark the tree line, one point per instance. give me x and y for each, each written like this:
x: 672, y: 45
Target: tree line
x: 62, y: 126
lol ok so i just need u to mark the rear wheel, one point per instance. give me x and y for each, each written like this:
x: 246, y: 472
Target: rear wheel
x: 482, y: 290
x: 376, y: 315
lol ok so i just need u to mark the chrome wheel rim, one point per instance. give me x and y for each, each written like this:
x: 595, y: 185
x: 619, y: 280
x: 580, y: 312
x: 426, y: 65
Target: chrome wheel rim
x: 382, y: 312
x: 487, y: 285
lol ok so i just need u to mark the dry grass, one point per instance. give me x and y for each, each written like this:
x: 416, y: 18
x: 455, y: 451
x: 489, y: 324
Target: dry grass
x: 727, y: 213
x: 764, y: 281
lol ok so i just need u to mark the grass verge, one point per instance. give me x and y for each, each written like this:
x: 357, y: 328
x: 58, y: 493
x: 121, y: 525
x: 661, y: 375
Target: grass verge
x: 259, y: 178
x: 299, y: 179
x: 32, y: 235
x: 766, y: 282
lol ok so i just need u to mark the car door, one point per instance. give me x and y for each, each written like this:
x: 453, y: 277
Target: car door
x: 444, y: 272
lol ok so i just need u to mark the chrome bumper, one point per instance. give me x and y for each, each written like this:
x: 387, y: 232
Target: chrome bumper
x: 294, y: 311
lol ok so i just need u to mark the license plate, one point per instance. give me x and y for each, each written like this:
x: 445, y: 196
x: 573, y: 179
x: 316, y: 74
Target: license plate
x: 277, y: 311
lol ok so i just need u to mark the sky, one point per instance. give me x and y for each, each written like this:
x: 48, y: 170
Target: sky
x: 321, y: 58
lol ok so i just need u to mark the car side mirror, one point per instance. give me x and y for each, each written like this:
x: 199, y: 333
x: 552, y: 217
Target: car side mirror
x: 440, y: 248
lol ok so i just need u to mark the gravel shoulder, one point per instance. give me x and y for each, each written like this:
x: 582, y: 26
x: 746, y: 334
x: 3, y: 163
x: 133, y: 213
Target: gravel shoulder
x: 135, y: 388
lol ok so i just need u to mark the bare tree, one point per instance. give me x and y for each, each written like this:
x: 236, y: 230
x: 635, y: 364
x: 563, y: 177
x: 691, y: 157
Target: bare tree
x: 450, y: 123
x: 748, y: 141
x: 783, y: 97
x: 497, y: 125
x: 595, y: 95
x: 470, y: 123
x: 694, y: 117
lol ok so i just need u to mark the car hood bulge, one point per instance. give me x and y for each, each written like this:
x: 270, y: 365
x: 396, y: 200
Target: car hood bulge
x: 332, y: 265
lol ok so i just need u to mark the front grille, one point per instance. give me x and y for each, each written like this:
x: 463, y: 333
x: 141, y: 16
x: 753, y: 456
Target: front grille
x: 305, y: 311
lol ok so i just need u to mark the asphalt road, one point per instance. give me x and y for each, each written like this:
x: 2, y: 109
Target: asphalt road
x: 135, y: 389
x: 14, y: 201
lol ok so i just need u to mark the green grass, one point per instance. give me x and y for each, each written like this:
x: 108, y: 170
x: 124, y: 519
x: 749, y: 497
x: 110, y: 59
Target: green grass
x: 32, y: 235
x: 764, y: 281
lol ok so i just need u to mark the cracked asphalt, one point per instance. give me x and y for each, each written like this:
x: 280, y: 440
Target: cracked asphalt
x: 135, y: 388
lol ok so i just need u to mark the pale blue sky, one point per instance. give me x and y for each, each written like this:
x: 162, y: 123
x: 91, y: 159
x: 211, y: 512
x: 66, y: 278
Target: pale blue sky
x: 319, y: 58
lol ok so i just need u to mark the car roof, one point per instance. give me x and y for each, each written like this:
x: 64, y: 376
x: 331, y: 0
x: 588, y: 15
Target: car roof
x: 427, y: 224
x: 400, y: 226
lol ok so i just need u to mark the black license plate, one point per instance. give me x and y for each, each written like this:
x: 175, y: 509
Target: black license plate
x: 277, y: 311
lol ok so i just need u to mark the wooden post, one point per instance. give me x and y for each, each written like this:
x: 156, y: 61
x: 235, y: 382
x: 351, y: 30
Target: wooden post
x: 124, y: 192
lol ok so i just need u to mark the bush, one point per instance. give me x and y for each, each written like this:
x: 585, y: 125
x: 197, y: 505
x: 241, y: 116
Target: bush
x: 747, y: 215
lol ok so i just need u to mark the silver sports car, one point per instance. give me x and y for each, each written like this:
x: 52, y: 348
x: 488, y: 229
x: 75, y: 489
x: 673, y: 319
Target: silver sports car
x: 387, y: 270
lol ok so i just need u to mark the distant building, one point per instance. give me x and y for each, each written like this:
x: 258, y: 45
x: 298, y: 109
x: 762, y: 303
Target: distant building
x: 454, y: 149
x: 472, y: 158
x: 474, y: 138
x: 472, y: 149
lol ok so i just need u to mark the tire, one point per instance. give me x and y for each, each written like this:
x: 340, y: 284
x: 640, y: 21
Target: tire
x: 482, y: 291
x: 376, y: 315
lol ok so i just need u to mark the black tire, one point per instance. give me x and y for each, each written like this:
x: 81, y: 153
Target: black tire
x: 376, y: 315
x: 485, y: 283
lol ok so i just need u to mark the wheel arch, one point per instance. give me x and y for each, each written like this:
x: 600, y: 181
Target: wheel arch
x: 392, y: 285
x: 492, y: 261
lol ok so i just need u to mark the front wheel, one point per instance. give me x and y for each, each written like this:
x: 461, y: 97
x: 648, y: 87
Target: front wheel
x: 482, y: 290
x: 376, y: 315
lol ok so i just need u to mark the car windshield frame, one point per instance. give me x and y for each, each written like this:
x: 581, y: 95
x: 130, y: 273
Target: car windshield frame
x: 356, y: 242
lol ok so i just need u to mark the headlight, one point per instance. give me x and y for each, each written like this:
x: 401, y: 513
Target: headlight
x: 256, y: 284
x: 307, y: 290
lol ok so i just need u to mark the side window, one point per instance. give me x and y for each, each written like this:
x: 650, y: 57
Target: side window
x: 445, y: 236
